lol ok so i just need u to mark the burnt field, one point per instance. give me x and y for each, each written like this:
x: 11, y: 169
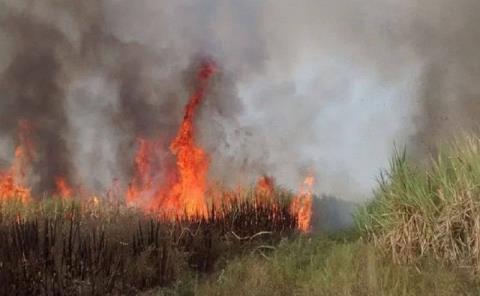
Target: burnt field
x: 58, y: 247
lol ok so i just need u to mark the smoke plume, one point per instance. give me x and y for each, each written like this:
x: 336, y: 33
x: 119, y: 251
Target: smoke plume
x: 328, y: 86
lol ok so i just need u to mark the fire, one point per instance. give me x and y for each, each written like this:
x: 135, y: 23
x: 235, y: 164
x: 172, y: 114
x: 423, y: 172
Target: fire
x: 265, y: 186
x: 264, y: 191
x: 301, y: 205
x: 171, y: 189
x: 10, y: 189
x: 185, y: 188
x: 13, y: 180
x: 63, y: 188
x: 144, y: 170
x: 185, y: 195
x: 188, y: 193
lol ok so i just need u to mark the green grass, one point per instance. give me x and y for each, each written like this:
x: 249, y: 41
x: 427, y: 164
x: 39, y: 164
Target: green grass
x: 435, y: 211
x: 327, y: 266
x: 419, y: 235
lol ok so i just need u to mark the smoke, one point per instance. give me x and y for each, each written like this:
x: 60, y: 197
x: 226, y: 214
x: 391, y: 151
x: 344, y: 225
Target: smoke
x: 328, y: 86
x: 31, y: 88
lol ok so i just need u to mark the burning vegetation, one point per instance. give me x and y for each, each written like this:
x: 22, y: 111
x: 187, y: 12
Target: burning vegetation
x: 13, y: 181
x: 63, y: 247
x: 185, y: 192
x: 302, y: 204
x: 162, y: 215
x: 169, y: 217
x: 180, y: 192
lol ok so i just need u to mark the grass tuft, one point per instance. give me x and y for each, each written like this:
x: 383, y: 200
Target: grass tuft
x: 429, y: 212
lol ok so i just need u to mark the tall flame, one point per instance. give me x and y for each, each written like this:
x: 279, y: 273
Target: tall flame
x: 13, y: 180
x: 188, y: 193
x: 301, y: 205
x: 179, y: 193
x: 185, y: 195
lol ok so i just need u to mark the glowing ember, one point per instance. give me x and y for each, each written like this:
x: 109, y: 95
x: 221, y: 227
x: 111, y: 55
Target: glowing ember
x: 301, y: 205
x: 13, y: 180
x: 63, y: 189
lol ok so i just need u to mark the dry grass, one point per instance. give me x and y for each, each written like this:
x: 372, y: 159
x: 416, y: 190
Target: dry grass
x: 324, y: 267
x: 429, y: 212
x: 55, y: 247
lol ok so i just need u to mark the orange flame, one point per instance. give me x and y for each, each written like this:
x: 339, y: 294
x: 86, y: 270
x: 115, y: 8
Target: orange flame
x: 143, y: 179
x: 265, y: 186
x: 188, y: 193
x: 301, y: 205
x: 63, y: 188
x: 10, y: 189
x: 264, y: 191
x: 12, y: 180
x: 185, y: 194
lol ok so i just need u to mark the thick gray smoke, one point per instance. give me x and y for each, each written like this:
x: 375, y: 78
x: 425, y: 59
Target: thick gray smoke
x: 31, y: 88
x: 328, y: 86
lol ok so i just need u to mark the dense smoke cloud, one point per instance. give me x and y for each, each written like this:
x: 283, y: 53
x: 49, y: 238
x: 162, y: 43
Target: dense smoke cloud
x: 327, y: 86
x: 31, y: 88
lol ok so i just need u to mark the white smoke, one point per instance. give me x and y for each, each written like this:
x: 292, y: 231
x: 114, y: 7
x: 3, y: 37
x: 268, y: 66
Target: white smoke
x: 322, y: 85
